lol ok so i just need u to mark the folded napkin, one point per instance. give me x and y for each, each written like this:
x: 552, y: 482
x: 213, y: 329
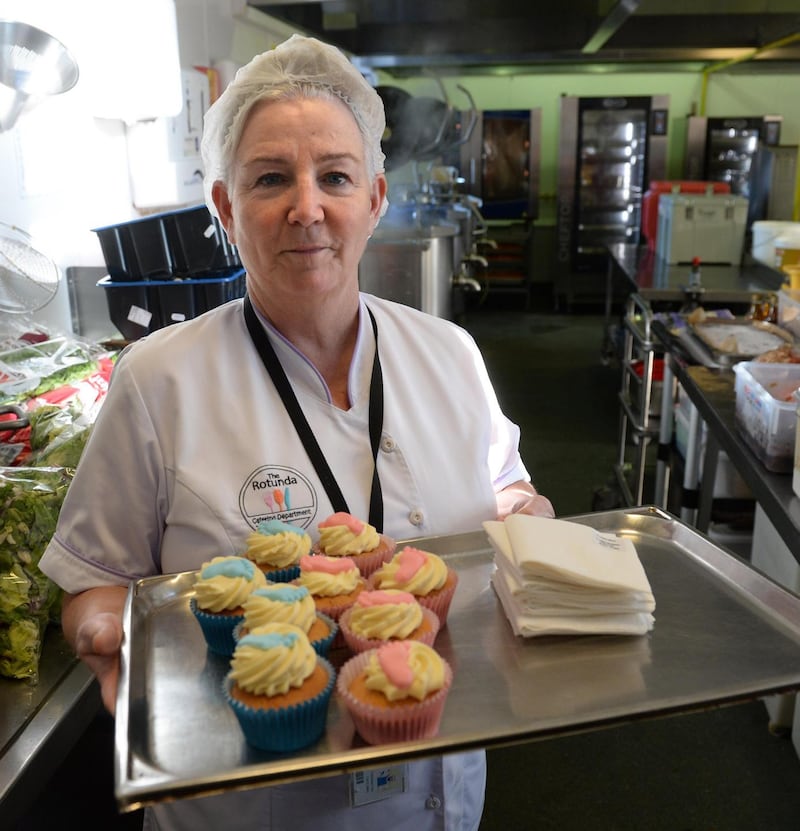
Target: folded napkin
x: 559, y: 577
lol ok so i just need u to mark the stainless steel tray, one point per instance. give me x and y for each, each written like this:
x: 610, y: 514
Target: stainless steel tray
x: 723, y: 633
x: 727, y: 341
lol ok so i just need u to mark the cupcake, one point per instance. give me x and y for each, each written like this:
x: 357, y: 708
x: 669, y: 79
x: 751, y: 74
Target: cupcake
x: 220, y: 589
x: 421, y: 573
x: 334, y: 583
x: 342, y: 535
x: 285, y: 603
x: 276, y: 548
x: 387, y: 615
x: 279, y: 688
x: 396, y: 692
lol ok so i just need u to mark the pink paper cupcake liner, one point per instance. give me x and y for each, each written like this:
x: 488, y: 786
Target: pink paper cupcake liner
x: 358, y: 644
x: 383, y: 725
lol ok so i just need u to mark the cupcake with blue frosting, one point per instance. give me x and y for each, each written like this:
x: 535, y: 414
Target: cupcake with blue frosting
x: 286, y: 603
x: 276, y: 548
x: 221, y: 588
x: 279, y: 688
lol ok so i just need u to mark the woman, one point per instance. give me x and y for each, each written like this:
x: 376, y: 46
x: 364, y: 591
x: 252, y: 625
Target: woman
x: 305, y: 376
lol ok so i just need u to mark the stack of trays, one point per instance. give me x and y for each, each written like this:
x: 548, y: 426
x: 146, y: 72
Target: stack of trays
x: 166, y: 268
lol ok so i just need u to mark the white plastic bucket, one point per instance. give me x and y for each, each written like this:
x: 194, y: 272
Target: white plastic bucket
x: 765, y: 236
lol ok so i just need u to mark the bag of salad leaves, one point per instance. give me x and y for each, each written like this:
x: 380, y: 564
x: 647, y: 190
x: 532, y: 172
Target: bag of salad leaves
x: 30, y: 501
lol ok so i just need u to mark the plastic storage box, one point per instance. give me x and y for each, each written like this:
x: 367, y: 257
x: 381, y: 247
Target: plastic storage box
x: 187, y: 243
x: 137, y: 307
x: 728, y: 483
x: 659, y: 187
x: 709, y: 227
x: 766, y: 411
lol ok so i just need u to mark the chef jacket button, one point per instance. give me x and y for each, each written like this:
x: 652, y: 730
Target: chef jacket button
x: 387, y: 444
x: 433, y: 802
x: 415, y: 517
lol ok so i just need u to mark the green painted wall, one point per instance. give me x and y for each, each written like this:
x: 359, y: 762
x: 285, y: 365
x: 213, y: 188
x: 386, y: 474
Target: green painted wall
x: 728, y: 93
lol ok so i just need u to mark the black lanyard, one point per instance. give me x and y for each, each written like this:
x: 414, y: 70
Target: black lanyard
x: 315, y: 454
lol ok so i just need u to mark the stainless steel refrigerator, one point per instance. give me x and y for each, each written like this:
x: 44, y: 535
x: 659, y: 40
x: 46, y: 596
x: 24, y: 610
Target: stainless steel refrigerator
x: 734, y: 150
x: 609, y: 150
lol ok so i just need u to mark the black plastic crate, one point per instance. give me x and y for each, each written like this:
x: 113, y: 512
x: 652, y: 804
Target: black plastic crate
x: 137, y: 307
x: 188, y: 243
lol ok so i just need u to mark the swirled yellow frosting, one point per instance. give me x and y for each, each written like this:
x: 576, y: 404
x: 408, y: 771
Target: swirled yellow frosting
x: 273, y: 658
x: 276, y: 544
x: 280, y: 603
x: 341, y: 535
x: 328, y: 576
x: 226, y: 582
x: 412, y: 570
x: 405, y: 669
x: 385, y: 614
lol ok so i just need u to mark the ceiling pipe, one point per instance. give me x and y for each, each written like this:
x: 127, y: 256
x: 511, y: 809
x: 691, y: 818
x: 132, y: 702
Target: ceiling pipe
x: 610, y: 25
x: 717, y: 67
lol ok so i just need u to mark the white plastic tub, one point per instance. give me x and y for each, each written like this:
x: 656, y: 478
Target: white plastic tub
x: 766, y: 411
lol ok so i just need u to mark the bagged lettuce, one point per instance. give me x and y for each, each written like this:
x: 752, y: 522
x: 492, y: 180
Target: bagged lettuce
x: 30, y: 501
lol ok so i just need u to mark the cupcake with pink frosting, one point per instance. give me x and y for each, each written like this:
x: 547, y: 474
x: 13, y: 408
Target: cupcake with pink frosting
x: 396, y: 692
x: 343, y: 535
x: 333, y: 583
x: 421, y: 573
x: 387, y: 615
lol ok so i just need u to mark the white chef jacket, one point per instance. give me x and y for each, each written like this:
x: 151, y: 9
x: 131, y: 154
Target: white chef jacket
x: 193, y: 448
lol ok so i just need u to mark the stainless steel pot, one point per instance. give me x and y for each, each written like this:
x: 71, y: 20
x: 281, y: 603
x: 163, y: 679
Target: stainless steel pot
x: 412, y: 265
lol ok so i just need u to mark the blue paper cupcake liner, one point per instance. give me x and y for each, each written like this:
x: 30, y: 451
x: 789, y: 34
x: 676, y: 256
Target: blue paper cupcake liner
x: 283, y: 575
x: 323, y: 646
x: 217, y: 629
x: 286, y: 730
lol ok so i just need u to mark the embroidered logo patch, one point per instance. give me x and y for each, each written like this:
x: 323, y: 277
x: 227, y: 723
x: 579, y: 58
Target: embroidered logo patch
x: 272, y: 492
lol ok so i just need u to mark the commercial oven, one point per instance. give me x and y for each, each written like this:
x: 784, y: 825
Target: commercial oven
x: 734, y: 150
x: 500, y: 163
x: 610, y: 148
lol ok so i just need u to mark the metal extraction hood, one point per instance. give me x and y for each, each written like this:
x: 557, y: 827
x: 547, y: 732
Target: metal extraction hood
x: 464, y: 36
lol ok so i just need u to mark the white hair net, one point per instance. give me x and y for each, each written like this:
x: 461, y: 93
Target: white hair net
x: 300, y: 66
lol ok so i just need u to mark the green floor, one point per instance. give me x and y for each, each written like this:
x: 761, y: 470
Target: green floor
x: 550, y: 380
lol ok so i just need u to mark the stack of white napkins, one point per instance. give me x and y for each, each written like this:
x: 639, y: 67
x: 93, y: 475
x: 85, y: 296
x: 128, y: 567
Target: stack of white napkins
x: 556, y: 577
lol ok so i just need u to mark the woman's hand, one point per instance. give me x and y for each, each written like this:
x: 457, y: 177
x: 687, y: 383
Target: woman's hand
x: 523, y: 498
x: 92, y: 623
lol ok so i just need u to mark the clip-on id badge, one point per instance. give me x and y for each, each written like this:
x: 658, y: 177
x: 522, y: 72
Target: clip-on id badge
x: 368, y: 786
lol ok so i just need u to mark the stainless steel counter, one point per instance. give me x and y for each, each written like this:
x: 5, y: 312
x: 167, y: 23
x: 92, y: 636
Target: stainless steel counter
x: 640, y: 272
x: 656, y: 280
x: 40, y: 723
x: 712, y: 392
